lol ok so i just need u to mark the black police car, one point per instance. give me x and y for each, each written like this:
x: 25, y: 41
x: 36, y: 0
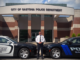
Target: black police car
x: 9, y: 47
x: 68, y: 48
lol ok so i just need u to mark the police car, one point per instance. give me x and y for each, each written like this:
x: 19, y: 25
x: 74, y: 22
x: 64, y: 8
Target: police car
x: 9, y: 47
x: 68, y: 48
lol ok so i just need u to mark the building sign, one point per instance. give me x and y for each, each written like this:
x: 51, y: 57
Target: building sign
x: 37, y: 9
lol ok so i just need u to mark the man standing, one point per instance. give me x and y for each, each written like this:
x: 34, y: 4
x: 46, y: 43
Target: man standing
x: 40, y: 40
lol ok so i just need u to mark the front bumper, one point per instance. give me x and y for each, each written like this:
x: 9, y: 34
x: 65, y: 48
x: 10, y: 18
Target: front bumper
x: 46, y: 51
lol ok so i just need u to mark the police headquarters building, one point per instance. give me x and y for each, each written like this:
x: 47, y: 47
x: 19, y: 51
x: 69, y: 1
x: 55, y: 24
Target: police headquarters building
x: 29, y: 19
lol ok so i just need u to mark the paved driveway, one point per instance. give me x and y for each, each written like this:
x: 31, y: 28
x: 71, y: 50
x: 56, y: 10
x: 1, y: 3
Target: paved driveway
x: 34, y: 58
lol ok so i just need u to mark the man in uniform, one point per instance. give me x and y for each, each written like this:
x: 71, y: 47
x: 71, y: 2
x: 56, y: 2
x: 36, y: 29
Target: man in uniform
x: 40, y: 40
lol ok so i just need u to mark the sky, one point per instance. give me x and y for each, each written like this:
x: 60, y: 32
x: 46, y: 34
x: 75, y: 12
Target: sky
x: 70, y: 3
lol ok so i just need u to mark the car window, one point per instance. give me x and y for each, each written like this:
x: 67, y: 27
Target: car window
x: 3, y: 40
x: 76, y: 41
x: 12, y: 40
x: 64, y: 42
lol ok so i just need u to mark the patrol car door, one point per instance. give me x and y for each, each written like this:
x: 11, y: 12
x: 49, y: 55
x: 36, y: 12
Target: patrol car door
x: 75, y: 47
x: 6, y: 47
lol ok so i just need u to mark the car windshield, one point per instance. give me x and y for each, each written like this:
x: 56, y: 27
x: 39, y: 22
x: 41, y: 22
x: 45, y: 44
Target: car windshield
x: 67, y: 40
x: 12, y: 40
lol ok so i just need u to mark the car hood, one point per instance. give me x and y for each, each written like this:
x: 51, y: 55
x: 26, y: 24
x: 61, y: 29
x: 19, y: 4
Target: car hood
x: 51, y: 44
x: 30, y: 44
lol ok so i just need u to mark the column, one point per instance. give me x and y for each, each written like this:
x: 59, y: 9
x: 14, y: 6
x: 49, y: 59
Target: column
x: 16, y: 30
x: 0, y: 24
x: 54, y: 30
x: 71, y: 30
x: 42, y: 24
x: 29, y: 28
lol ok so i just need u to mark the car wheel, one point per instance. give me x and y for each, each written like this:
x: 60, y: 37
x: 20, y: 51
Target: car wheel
x: 23, y: 53
x: 55, y: 53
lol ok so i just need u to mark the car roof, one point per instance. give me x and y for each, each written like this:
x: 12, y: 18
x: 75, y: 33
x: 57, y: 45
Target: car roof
x: 4, y: 36
x: 75, y: 37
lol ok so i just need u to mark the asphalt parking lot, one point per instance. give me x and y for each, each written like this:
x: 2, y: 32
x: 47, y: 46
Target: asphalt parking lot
x: 34, y: 58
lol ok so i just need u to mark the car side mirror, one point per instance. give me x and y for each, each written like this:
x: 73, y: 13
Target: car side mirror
x: 69, y: 42
x: 9, y: 42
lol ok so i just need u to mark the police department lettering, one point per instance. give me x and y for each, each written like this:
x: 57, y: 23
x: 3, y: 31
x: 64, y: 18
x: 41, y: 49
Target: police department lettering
x: 2, y: 49
x: 76, y: 49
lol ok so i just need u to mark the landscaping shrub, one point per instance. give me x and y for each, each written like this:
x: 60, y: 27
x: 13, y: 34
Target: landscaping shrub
x: 67, y: 36
x: 78, y: 34
x: 73, y: 35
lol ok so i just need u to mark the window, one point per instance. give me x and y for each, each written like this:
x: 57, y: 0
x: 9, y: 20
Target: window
x: 7, y: 15
x: 76, y: 41
x: 35, y: 15
x: 47, y: 15
x: 23, y: 15
x: 64, y: 15
x: 3, y: 40
x: 12, y: 40
x: 48, y: 35
x: 23, y: 35
x: 65, y: 42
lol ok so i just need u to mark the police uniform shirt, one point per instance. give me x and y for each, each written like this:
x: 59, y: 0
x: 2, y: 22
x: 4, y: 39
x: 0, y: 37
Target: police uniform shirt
x: 40, y: 38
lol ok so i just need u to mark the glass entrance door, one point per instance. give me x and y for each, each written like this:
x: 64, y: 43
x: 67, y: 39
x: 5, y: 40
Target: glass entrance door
x: 23, y: 35
x: 34, y: 33
x: 48, y: 35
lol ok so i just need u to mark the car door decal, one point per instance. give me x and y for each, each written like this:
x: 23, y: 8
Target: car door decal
x: 75, y: 49
x: 66, y: 49
x: 3, y: 49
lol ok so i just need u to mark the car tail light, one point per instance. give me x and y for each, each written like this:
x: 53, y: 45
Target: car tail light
x: 30, y: 50
x: 50, y: 50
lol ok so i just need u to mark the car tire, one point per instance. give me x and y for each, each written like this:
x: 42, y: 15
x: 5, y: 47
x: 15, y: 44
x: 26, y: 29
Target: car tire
x: 23, y: 53
x: 55, y: 53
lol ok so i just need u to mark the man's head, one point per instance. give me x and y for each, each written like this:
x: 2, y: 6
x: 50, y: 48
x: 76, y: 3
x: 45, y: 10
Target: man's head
x: 39, y: 33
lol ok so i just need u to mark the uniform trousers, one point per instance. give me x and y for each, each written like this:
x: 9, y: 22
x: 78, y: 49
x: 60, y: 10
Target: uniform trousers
x: 40, y: 46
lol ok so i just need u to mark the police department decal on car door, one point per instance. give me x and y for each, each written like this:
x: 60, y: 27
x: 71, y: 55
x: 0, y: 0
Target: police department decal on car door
x: 2, y: 49
x: 76, y: 49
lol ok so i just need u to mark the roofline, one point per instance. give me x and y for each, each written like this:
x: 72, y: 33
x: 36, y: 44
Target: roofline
x: 34, y: 3
x: 41, y: 4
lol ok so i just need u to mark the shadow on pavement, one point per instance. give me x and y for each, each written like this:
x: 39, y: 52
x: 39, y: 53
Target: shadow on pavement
x: 17, y: 57
x: 34, y: 57
x: 62, y: 57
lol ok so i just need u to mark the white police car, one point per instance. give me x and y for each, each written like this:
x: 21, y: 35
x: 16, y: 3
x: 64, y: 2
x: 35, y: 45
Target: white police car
x: 9, y: 47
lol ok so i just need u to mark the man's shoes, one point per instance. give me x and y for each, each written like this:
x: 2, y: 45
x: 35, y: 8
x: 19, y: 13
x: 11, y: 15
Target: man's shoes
x: 42, y: 57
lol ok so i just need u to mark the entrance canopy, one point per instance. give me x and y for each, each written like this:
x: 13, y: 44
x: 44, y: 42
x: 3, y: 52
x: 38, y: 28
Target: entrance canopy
x: 36, y: 9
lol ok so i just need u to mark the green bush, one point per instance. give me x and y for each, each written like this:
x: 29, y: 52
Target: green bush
x: 67, y: 36
x: 73, y: 35
x: 78, y: 34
